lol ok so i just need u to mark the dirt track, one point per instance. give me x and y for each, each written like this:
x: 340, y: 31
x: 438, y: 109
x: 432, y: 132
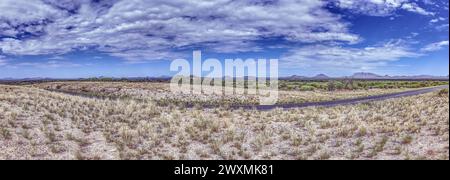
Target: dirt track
x: 311, y: 104
x: 346, y: 101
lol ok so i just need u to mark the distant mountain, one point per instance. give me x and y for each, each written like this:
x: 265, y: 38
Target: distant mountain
x: 36, y: 79
x: 321, y: 76
x: 421, y: 77
x: 295, y: 77
x: 25, y: 79
x: 359, y: 75
x: 366, y: 75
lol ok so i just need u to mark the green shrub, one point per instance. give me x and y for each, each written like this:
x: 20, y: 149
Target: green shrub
x: 307, y: 88
x: 443, y: 93
x: 339, y: 85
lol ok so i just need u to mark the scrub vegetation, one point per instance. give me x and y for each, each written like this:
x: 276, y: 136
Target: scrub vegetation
x: 339, y: 85
x: 39, y: 124
x: 161, y: 94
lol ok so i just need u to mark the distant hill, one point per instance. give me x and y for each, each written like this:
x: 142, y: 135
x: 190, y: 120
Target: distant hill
x: 365, y: 75
x: 295, y: 77
x: 6, y: 79
x: 359, y: 75
x: 321, y: 76
x: 25, y: 79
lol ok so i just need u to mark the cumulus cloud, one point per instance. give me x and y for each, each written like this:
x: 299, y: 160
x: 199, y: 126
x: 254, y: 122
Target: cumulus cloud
x: 440, y: 19
x: 434, y: 20
x: 25, y: 17
x: 2, y: 60
x: 380, y: 7
x: 442, y: 27
x: 143, y: 29
x: 435, y: 46
x: 49, y: 64
x: 26, y: 11
x: 413, y: 7
x: 320, y: 57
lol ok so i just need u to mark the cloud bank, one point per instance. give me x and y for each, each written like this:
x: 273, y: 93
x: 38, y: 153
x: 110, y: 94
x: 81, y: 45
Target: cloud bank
x: 435, y: 46
x: 381, y: 7
x: 142, y: 30
x: 152, y: 29
x: 342, y: 58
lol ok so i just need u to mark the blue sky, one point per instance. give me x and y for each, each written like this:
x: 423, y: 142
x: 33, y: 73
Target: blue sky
x: 129, y: 38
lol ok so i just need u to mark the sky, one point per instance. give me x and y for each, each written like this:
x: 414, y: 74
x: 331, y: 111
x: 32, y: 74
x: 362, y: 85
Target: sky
x: 131, y: 38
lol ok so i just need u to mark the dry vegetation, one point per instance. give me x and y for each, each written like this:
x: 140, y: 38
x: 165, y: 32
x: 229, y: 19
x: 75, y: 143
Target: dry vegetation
x: 161, y: 94
x: 38, y: 124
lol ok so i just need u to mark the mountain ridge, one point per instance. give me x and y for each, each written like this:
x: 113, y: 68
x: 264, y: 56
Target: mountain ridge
x: 358, y: 75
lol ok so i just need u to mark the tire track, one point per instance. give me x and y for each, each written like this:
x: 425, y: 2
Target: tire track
x: 345, y: 101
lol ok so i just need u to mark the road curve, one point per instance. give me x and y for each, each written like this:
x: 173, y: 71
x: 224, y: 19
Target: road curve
x: 308, y: 104
x: 344, y: 101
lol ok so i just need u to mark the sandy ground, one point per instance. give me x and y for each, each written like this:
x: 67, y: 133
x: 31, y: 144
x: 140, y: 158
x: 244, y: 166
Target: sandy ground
x: 37, y: 124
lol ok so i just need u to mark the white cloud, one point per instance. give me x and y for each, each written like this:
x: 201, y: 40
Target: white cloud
x: 413, y: 7
x: 380, y: 7
x: 26, y: 11
x: 443, y: 27
x: 437, y: 19
x: 57, y: 58
x: 16, y: 16
x: 324, y: 58
x: 49, y: 64
x: 2, y: 60
x: 434, y: 20
x: 143, y: 30
x: 435, y: 46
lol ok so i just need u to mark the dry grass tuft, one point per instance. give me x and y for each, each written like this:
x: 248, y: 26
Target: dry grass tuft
x: 38, y: 124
